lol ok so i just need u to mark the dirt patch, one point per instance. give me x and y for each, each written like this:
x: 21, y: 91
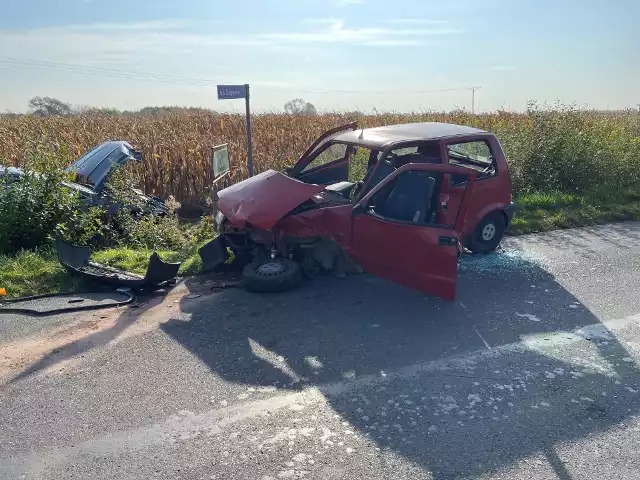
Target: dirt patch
x: 60, y: 348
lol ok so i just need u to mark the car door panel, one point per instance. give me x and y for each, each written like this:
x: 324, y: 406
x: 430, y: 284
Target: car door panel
x: 419, y: 256
x: 415, y: 257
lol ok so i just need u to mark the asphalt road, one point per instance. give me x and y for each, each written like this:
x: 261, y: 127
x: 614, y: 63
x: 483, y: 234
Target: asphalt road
x: 530, y: 374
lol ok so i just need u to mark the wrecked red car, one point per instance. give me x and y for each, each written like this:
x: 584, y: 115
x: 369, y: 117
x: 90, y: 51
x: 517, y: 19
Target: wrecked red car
x: 399, y: 201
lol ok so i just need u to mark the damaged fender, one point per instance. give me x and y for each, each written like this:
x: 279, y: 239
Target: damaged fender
x: 333, y: 222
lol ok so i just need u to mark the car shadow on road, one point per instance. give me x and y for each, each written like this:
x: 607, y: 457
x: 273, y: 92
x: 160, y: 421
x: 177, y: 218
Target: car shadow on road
x: 459, y: 388
x: 65, y: 343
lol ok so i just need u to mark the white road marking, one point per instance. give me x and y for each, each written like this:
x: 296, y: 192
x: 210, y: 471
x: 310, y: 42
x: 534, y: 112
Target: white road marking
x: 486, y: 344
x: 528, y: 316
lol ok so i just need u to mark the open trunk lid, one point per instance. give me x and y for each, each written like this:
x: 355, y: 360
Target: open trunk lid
x: 264, y: 199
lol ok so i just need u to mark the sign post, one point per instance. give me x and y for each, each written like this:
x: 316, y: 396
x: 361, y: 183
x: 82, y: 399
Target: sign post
x: 230, y: 92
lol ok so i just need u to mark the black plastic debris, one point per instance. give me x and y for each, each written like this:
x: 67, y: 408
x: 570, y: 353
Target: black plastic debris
x: 77, y: 260
x: 65, y: 302
x: 214, y: 254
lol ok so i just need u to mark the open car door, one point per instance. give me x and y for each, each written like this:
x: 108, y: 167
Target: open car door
x: 395, y: 234
x: 322, y: 163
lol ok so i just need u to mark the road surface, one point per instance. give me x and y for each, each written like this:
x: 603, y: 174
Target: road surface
x: 530, y: 374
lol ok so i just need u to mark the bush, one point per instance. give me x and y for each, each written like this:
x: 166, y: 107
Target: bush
x: 31, y: 209
x: 37, y: 207
x: 572, y: 151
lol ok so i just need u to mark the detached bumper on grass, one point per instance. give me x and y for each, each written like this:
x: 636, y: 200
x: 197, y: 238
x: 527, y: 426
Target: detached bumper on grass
x: 77, y: 260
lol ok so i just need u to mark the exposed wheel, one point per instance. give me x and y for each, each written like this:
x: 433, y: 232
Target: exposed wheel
x: 271, y: 275
x: 488, y: 233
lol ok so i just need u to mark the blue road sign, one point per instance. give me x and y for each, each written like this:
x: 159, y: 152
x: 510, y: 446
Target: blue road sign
x: 229, y: 92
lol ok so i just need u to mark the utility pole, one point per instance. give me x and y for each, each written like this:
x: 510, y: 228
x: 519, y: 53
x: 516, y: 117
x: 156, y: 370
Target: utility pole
x: 473, y: 98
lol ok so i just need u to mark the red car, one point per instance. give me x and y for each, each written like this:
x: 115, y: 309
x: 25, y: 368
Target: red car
x: 399, y: 201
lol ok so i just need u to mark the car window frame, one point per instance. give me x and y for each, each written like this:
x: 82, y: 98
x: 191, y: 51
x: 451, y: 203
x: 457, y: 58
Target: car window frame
x: 323, y: 148
x: 370, y: 210
x: 457, y: 141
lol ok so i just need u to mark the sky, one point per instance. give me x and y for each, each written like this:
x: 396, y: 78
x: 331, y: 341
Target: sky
x: 367, y: 55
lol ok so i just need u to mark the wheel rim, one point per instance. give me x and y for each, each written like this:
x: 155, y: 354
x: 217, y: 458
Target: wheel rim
x: 270, y: 269
x: 488, y: 232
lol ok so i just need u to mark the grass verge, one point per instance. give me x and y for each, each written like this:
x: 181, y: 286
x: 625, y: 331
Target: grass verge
x: 33, y: 273
x: 541, y: 212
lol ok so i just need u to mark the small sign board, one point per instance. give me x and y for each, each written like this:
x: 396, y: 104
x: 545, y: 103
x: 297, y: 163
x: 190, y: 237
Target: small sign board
x: 220, y: 160
x: 229, y: 92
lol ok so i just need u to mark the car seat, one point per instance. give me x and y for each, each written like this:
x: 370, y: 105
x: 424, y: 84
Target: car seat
x: 410, y: 199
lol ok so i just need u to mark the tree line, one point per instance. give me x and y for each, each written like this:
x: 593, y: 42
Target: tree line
x: 49, y: 106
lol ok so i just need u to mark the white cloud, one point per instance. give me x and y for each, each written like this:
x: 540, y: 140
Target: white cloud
x: 115, y: 42
x: 335, y: 32
x: 502, y: 68
x: 159, y: 25
x: 392, y: 43
x: 417, y: 21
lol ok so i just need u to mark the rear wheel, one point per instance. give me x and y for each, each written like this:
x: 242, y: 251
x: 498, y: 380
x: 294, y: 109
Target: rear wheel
x: 271, y: 275
x: 488, y: 233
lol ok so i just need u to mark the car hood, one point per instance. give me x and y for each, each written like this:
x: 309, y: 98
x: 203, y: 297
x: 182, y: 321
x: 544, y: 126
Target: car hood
x: 93, y: 167
x: 264, y: 199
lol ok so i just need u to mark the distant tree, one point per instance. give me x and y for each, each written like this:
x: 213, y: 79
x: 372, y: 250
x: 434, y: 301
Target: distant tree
x: 46, y: 106
x: 89, y: 110
x: 166, y: 109
x: 298, y: 106
x: 10, y: 114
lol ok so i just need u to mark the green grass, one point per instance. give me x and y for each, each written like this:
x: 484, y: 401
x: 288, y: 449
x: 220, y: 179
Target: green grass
x: 33, y: 273
x: 136, y: 261
x: 541, y: 212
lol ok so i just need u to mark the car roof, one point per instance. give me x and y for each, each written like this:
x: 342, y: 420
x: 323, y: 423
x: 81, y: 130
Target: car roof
x: 379, y: 137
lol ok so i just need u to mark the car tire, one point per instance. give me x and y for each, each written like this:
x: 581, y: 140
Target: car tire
x: 488, y: 233
x: 272, y: 275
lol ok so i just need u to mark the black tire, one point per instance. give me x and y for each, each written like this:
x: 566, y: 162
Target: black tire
x: 488, y: 233
x: 271, y: 275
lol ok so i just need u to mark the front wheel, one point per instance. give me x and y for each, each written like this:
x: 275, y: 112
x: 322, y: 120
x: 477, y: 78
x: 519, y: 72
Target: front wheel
x: 271, y: 275
x: 488, y: 233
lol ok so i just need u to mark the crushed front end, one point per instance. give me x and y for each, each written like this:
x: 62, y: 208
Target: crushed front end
x: 272, y: 224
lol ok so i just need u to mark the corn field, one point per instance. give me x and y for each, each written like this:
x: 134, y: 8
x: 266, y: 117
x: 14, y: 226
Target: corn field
x: 560, y: 150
